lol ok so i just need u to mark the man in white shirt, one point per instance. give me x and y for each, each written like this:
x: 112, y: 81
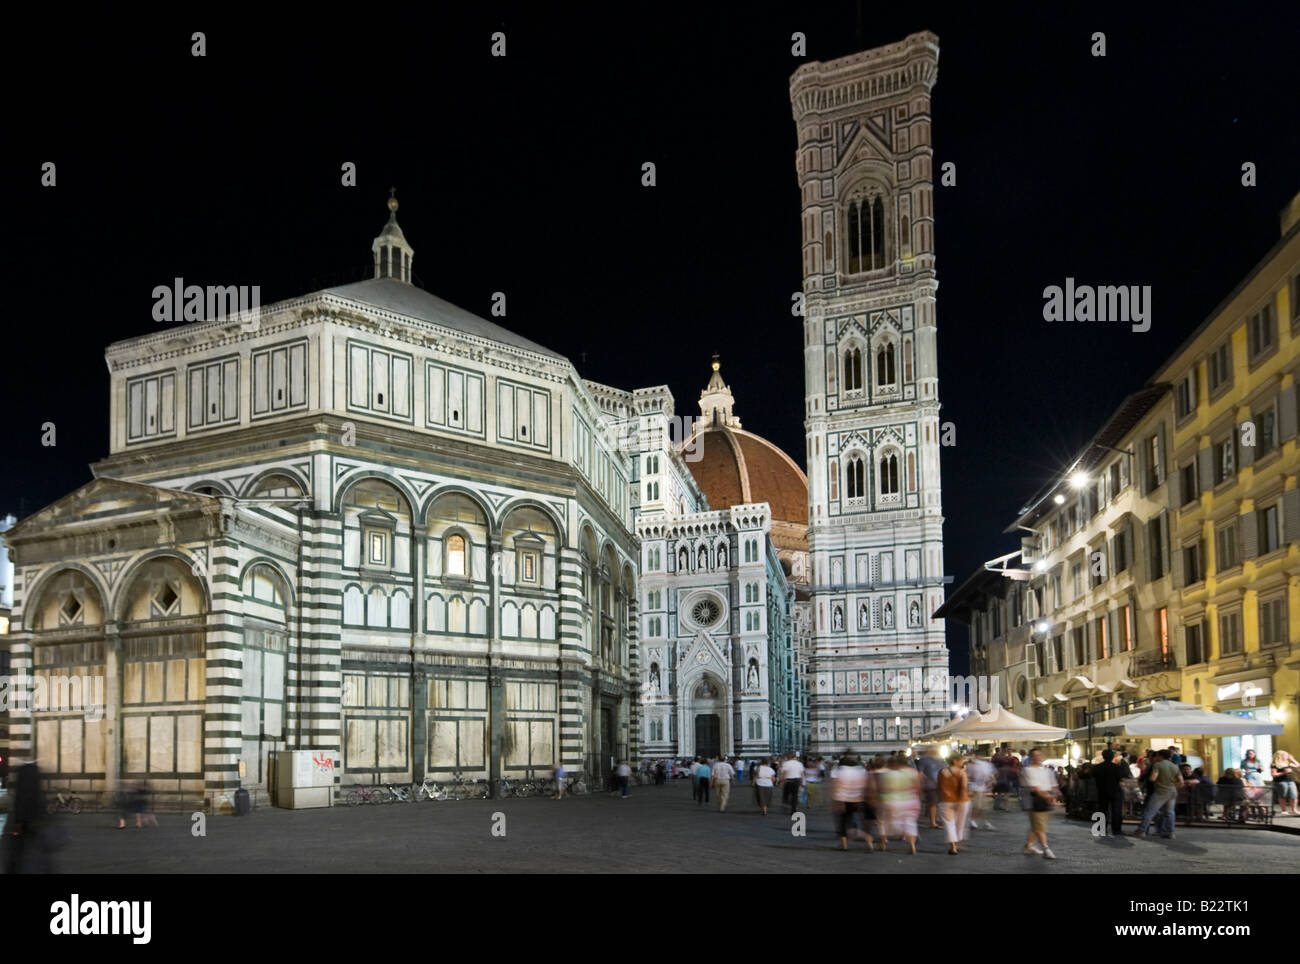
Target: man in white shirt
x: 720, y: 779
x: 763, y: 777
x: 1040, y: 784
x: 791, y: 780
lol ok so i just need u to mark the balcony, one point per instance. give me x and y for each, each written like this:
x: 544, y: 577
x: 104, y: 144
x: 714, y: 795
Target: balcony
x: 1148, y: 664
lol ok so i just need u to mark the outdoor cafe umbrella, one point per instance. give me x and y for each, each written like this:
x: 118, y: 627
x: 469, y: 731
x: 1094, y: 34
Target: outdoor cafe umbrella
x: 1172, y: 718
x: 996, y: 726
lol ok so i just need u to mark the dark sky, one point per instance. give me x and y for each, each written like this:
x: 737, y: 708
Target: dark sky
x: 522, y: 175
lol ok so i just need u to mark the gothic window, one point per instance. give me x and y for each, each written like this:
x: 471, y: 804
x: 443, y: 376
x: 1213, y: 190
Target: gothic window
x: 853, y: 370
x: 866, y: 234
x: 855, y: 479
x: 888, y: 474
x: 886, y: 374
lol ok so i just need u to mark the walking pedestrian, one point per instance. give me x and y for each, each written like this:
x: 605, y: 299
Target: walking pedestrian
x: 559, y: 781
x: 954, y: 799
x: 930, y: 765
x: 624, y: 778
x: 721, y: 777
x: 900, y: 800
x: 812, y: 778
x: 1040, y: 784
x: 1165, y: 781
x: 703, y: 773
x: 763, y: 777
x: 1109, y: 777
x: 848, y: 793
x: 791, y: 781
x: 979, y: 778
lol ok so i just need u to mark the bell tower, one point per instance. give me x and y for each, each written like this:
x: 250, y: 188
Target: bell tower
x: 875, y: 522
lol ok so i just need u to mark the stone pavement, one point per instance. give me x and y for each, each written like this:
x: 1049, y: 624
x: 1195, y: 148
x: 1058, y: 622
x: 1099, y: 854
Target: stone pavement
x: 655, y: 830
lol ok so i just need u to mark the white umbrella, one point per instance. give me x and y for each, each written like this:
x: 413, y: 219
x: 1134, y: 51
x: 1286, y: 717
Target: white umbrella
x: 1172, y: 718
x: 996, y: 726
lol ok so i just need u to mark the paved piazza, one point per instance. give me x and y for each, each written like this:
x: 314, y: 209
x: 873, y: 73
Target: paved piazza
x: 655, y: 830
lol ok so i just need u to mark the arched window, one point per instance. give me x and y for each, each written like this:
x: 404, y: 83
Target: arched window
x: 855, y: 479
x: 456, y: 555
x: 866, y: 234
x: 889, y: 474
x: 885, y: 371
x: 853, y: 370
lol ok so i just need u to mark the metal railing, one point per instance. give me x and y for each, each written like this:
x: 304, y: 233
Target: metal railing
x: 1148, y: 664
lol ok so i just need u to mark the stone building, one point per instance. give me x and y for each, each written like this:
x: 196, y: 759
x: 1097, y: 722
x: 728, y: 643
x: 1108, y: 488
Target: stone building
x: 363, y: 521
x: 875, y: 520
x: 722, y: 543
x: 1165, y: 560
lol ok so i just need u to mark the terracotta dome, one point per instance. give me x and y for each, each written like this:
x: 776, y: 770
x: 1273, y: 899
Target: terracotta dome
x: 736, y: 467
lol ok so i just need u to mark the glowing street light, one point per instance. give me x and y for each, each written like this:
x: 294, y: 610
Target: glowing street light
x: 1079, y: 479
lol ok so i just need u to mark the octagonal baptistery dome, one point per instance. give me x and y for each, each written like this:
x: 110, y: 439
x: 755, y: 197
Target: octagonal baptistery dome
x: 735, y: 467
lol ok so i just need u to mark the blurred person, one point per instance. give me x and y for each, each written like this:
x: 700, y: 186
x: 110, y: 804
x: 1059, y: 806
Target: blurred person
x: 701, y: 775
x: 900, y: 802
x: 930, y: 765
x: 812, y: 780
x: 791, y: 781
x: 1284, y: 769
x: 1109, y: 778
x: 559, y: 775
x: 848, y: 794
x: 25, y: 828
x: 624, y: 774
x: 763, y: 777
x: 1040, y: 783
x: 1165, y: 781
x: 980, y: 777
x: 720, y: 777
x: 954, y: 799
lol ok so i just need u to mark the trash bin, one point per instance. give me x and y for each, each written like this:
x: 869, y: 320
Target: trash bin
x: 242, y: 803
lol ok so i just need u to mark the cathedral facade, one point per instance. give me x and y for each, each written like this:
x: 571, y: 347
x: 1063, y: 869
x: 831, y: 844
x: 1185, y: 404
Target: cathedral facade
x: 871, y: 393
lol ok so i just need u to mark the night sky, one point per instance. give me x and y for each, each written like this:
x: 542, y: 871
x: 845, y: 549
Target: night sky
x: 522, y: 175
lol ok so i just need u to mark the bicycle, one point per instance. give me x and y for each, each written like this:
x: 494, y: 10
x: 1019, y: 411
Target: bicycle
x: 399, y: 794
x: 63, y: 803
x: 424, y: 791
x: 364, y: 793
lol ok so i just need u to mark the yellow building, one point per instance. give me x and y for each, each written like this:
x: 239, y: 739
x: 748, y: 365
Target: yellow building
x: 1164, y: 562
x: 1234, y: 504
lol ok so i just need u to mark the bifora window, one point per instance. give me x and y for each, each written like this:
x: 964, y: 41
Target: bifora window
x: 886, y: 369
x: 889, y: 474
x: 866, y: 234
x: 853, y: 370
x: 855, y: 486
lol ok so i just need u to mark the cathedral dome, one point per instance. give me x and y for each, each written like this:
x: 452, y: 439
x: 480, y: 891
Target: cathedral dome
x: 735, y: 467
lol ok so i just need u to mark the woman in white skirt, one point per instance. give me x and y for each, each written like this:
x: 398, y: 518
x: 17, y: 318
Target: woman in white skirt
x: 954, y: 799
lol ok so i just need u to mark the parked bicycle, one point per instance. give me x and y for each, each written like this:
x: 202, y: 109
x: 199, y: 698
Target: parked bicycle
x: 64, y: 803
x: 398, y: 794
x: 425, y: 791
x: 364, y: 793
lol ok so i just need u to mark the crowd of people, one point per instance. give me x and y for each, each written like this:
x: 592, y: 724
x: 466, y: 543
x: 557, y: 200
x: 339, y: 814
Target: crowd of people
x: 889, y: 796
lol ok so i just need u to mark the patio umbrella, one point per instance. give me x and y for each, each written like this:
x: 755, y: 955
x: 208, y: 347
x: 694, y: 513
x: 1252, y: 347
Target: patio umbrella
x: 994, y: 727
x: 1172, y: 718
